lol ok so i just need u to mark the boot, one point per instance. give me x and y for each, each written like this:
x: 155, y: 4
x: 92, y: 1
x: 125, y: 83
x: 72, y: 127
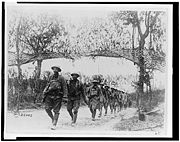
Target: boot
x: 74, y: 118
x: 91, y: 110
x: 115, y: 110
x: 49, y: 114
x: 100, y: 113
x: 55, y: 120
x: 111, y: 111
x: 71, y: 114
x: 93, y: 115
x: 105, y: 112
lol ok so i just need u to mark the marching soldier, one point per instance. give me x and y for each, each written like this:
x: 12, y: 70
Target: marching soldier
x: 107, y: 95
x: 94, y: 95
x: 53, y: 94
x: 116, y: 100
x: 120, y: 100
x: 113, y: 100
x: 75, y: 90
x: 125, y: 100
x: 129, y: 101
x: 102, y: 99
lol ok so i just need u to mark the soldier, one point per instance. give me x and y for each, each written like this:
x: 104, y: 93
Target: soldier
x: 120, y: 100
x: 54, y: 92
x: 107, y: 95
x: 129, y: 101
x: 102, y: 98
x: 75, y: 90
x: 113, y: 100
x: 94, y: 94
x: 125, y: 103
x: 116, y: 100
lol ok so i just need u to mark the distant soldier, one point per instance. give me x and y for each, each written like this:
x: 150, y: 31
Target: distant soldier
x: 129, y: 101
x: 94, y: 95
x: 116, y: 100
x: 107, y: 97
x: 75, y: 91
x: 102, y: 98
x: 113, y: 100
x: 53, y: 94
x: 120, y: 93
x: 125, y: 100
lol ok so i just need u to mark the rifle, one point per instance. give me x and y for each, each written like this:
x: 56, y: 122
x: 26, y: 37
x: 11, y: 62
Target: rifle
x: 45, y: 92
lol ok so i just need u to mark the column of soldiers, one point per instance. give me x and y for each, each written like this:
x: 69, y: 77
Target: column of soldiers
x: 96, y: 95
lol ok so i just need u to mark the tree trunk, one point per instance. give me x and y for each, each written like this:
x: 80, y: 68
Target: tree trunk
x: 37, y: 81
x: 19, y: 68
x: 38, y: 73
x: 133, y: 32
x: 142, y: 69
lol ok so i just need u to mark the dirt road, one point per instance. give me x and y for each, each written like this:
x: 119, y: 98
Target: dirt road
x: 36, y: 122
x: 32, y: 121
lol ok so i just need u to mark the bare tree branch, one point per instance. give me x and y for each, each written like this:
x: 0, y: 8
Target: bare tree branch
x: 147, y: 25
x: 138, y: 25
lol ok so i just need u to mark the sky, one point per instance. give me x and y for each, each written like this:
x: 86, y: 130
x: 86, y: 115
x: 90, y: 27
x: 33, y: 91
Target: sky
x: 75, y: 12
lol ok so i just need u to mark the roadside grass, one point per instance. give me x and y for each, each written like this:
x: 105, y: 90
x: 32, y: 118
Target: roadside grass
x: 152, y: 122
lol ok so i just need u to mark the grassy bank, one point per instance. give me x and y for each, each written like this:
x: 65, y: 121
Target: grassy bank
x: 153, y: 122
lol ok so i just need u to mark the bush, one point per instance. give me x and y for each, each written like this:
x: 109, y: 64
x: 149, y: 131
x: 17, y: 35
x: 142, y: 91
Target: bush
x: 29, y: 90
x: 158, y: 96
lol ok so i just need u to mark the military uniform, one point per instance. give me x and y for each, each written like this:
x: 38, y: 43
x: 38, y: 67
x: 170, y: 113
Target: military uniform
x: 107, y: 96
x: 102, y: 99
x: 54, y: 92
x: 113, y: 100
x: 129, y: 101
x: 125, y: 100
x: 75, y: 90
x: 94, y: 94
x: 120, y: 100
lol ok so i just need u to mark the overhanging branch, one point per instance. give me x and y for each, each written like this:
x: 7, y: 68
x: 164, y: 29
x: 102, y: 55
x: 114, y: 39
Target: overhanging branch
x: 31, y: 58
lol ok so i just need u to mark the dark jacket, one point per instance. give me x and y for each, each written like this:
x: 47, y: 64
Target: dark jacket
x: 107, y: 94
x: 94, y: 91
x: 75, y: 90
x: 56, y: 84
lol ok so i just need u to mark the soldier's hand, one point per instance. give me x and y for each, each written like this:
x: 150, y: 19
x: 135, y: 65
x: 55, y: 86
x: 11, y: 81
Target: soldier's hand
x: 87, y: 103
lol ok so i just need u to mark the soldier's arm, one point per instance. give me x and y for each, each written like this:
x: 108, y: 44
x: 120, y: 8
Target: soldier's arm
x: 117, y: 98
x: 88, y: 92
x: 83, y: 92
x: 100, y: 91
x: 47, y: 85
x: 68, y: 86
x: 64, y: 87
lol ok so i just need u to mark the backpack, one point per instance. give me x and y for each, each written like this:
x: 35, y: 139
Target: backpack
x: 55, y: 84
x: 94, y: 91
x: 77, y: 86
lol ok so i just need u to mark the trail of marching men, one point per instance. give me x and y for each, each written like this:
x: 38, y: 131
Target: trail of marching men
x: 36, y: 120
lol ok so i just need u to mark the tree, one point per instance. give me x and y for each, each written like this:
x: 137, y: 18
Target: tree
x: 142, y: 20
x: 42, y: 35
x: 37, y: 38
x: 14, y: 43
x: 99, y: 37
